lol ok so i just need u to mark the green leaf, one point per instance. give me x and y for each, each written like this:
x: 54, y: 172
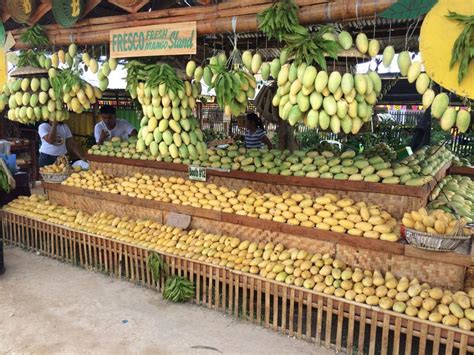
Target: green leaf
x: 279, y: 19
x: 462, y: 50
x: 178, y: 289
x: 2, y: 34
x: 408, y: 9
x: 35, y: 36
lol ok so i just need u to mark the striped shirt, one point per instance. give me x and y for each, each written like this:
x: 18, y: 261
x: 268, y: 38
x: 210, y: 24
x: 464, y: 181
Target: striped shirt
x: 254, y: 140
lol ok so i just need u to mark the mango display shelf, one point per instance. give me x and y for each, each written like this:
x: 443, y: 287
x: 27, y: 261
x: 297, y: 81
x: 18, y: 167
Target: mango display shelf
x: 395, y: 199
x: 441, y: 269
x: 305, y: 314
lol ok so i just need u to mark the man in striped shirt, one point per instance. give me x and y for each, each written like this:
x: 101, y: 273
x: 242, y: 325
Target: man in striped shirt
x: 255, y: 135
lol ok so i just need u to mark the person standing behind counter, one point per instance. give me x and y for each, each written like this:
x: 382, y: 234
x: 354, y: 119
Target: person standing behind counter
x: 110, y: 126
x: 255, y: 135
x: 56, y: 140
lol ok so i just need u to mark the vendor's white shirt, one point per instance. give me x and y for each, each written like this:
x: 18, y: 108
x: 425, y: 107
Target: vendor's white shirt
x: 122, y: 129
x: 59, y: 147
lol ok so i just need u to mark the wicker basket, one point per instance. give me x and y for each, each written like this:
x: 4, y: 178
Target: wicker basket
x: 434, y: 242
x: 54, y: 178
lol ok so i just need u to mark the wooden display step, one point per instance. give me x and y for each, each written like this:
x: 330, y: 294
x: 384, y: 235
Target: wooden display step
x: 344, y: 185
x: 396, y: 199
x: 245, y: 221
x: 294, y: 311
x: 442, y: 269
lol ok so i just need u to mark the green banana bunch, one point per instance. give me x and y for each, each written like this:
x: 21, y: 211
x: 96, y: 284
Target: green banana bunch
x: 279, y: 19
x: 227, y: 86
x: 4, y: 185
x: 178, y: 289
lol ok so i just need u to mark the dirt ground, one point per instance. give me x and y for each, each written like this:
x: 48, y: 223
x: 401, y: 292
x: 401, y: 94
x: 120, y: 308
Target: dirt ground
x: 50, y: 307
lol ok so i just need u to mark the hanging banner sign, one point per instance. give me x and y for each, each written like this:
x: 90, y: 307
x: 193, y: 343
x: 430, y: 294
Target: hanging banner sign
x: 158, y: 40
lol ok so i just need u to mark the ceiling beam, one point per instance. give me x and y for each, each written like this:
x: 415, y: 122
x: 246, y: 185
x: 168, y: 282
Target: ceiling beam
x: 133, y: 7
x: 41, y: 10
x: 5, y: 15
x: 90, y: 5
x: 210, y: 19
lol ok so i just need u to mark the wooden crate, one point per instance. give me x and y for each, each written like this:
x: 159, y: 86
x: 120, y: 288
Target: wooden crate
x: 305, y: 314
x: 440, y: 269
x: 396, y: 199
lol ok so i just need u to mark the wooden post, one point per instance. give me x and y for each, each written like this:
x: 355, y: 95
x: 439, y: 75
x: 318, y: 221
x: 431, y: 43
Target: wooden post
x: 286, y: 136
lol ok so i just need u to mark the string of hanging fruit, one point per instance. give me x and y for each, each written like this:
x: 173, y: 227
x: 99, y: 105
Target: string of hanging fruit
x: 167, y: 128
x: 52, y: 95
x: 233, y: 82
x: 324, y: 106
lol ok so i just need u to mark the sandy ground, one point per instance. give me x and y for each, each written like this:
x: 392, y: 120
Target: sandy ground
x: 50, y: 307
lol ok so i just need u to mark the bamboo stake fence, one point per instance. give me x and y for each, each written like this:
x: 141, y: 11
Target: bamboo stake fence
x: 305, y: 314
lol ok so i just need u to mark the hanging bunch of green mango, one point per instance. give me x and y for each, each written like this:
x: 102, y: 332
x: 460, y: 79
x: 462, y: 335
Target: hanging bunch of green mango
x: 103, y: 72
x: 232, y: 80
x: 326, y: 100
x: 168, y: 129
x: 31, y: 100
x: 77, y: 94
x: 62, y: 89
x: 65, y: 76
x: 412, y: 70
x: 83, y: 61
x: 337, y: 101
x: 448, y: 116
x: 321, y: 99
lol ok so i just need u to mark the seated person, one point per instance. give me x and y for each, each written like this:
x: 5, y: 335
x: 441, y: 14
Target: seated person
x: 255, y: 135
x: 110, y: 126
x: 56, y: 140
